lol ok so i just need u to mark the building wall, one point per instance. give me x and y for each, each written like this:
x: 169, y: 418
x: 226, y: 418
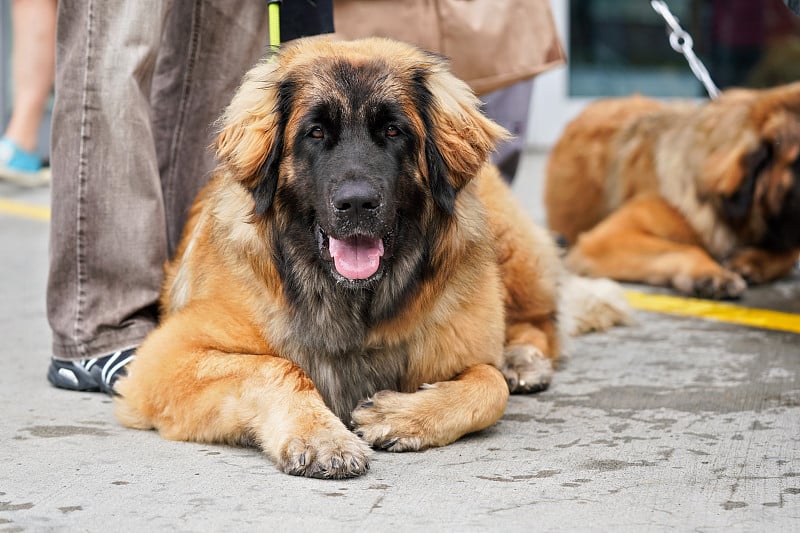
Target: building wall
x: 618, y: 47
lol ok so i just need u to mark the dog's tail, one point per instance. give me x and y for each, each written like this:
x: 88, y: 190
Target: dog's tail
x: 587, y: 305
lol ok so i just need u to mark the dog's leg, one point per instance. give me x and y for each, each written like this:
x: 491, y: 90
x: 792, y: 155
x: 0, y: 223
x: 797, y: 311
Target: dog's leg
x: 530, y: 269
x: 435, y: 415
x: 648, y: 241
x: 760, y: 266
x: 529, y: 355
x: 190, y: 392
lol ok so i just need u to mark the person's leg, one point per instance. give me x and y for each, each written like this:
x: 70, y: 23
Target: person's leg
x: 509, y: 108
x: 32, y: 68
x: 203, y: 51
x: 207, y: 48
x: 33, y: 57
x: 108, y: 238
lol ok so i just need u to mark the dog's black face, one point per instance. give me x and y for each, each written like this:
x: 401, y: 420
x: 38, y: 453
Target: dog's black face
x: 355, y: 211
x: 355, y: 157
x: 353, y: 153
x: 354, y: 162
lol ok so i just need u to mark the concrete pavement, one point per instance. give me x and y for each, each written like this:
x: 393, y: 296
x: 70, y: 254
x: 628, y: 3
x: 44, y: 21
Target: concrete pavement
x: 670, y: 424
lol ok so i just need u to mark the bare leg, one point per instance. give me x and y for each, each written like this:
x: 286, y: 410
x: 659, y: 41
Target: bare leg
x: 33, y: 68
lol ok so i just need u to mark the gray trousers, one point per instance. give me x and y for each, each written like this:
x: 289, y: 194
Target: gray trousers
x: 138, y: 85
x: 509, y: 107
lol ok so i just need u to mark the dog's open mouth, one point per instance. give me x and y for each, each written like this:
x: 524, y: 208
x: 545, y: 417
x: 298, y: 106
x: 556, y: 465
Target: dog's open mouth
x: 355, y: 258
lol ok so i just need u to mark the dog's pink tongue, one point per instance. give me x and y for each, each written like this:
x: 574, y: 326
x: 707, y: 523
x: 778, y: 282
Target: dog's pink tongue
x: 356, y: 258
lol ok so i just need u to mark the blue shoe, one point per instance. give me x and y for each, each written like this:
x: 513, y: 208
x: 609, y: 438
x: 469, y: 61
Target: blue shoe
x: 21, y: 167
x: 91, y: 375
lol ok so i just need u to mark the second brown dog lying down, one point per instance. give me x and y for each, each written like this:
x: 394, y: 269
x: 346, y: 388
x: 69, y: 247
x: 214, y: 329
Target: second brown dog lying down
x: 701, y: 198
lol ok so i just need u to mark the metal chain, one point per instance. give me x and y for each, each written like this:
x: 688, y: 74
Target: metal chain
x: 681, y: 42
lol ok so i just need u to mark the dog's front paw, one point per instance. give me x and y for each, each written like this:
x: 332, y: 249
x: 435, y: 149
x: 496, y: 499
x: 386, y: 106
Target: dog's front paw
x: 760, y: 266
x: 722, y: 285
x: 327, y: 454
x: 526, y: 369
x: 384, y: 423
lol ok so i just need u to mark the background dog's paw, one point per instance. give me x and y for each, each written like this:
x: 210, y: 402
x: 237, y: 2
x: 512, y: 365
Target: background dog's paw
x: 751, y: 273
x: 526, y: 369
x: 760, y: 266
x: 722, y: 285
x: 326, y: 455
x: 383, y: 422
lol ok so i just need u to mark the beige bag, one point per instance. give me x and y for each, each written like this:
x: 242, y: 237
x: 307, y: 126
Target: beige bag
x: 491, y: 43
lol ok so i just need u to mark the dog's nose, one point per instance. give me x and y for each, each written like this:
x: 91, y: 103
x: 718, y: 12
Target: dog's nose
x: 355, y: 197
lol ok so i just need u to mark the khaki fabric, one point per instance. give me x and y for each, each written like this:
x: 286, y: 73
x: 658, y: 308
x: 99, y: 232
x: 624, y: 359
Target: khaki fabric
x: 491, y: 43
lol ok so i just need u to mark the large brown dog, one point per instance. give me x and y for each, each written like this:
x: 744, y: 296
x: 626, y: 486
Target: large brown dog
x: 701, y: 198
x: 354, y: 260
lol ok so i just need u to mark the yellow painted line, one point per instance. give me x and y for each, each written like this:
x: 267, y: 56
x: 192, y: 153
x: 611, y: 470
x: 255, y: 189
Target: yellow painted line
x: 19, y: 209
x: 708, y: 309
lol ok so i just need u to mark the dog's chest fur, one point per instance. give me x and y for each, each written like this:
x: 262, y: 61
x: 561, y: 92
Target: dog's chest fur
x: 328, y: 341
x: 345, y: 379
x: 327, y: 324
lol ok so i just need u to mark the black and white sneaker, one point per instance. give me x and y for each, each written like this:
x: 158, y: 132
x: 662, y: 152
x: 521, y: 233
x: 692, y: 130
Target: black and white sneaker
x: 98, y: 374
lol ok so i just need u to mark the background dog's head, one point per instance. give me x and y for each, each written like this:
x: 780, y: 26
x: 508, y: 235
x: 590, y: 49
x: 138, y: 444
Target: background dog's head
x: 754, y: 164
x: 351, y: 134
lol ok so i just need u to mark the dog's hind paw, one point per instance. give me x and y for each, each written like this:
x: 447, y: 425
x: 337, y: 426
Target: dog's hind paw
x: 325, y: 456
x: 526, y: 369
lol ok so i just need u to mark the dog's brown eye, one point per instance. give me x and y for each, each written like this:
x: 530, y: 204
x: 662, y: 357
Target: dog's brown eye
x: 317, y: 133
x: 392, y: 131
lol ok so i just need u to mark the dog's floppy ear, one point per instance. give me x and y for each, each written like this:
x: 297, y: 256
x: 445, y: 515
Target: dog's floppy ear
x: 250, y: 143
x: 731, y: 173
x: 458, y: 136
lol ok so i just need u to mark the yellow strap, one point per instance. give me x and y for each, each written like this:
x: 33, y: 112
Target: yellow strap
x: 274, y: 25
x: 675, y: 305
